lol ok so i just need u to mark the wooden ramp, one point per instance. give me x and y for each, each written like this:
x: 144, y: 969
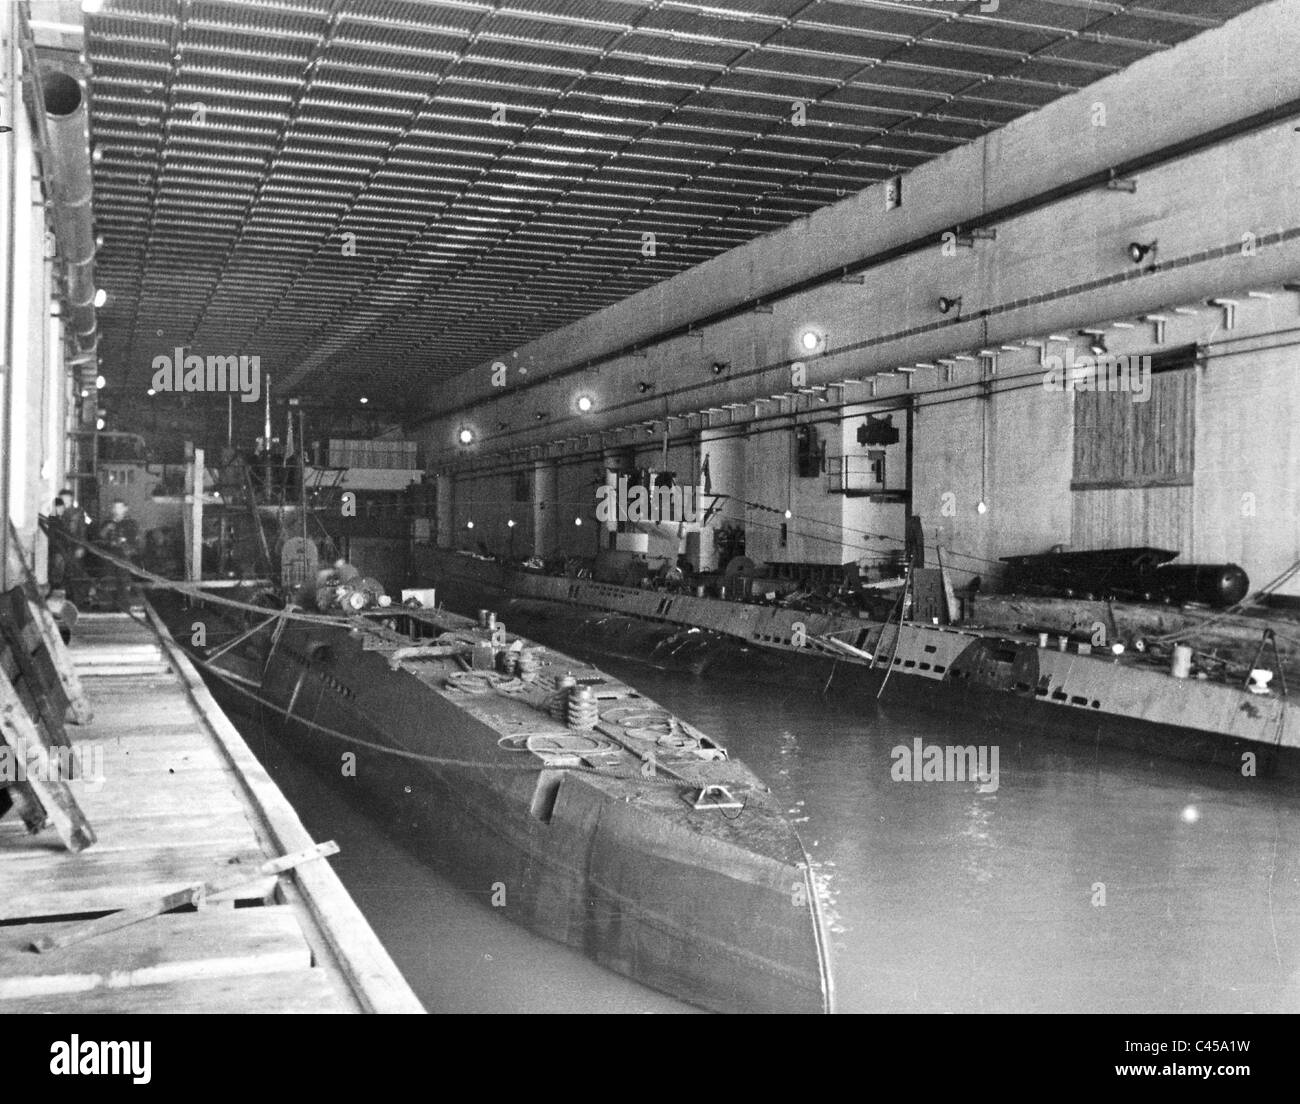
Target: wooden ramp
x: 176, y: 798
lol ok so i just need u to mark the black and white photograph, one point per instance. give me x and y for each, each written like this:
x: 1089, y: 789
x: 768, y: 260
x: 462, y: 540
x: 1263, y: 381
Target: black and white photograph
x: 651, y: 507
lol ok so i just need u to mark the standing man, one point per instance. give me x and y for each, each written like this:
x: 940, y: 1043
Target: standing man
x: 121, y: 537
x: 67, y: 570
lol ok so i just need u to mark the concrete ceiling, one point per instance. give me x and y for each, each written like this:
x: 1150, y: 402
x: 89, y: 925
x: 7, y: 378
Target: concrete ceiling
x: 375, y: 195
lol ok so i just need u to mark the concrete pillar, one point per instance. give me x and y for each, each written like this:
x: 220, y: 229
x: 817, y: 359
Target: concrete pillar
x: 724, y: 451
x: 445, y: 505
x: 545, y: 513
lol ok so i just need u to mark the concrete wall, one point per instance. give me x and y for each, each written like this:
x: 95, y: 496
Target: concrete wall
x: 1227, y: 220
x: 1198, y: 203
x: 38, y: 389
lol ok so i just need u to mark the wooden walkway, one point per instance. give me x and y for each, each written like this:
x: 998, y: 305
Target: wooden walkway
x: 176, y: 798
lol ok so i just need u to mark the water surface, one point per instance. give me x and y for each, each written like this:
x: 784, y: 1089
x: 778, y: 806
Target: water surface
x: 1090, y: 880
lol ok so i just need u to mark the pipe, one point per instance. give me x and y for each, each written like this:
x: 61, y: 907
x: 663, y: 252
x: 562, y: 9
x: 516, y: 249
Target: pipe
x: 9, y: 226
x: 68, y: 126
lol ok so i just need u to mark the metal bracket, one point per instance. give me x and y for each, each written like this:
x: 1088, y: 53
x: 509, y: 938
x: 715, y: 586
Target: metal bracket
x: 716, y: 797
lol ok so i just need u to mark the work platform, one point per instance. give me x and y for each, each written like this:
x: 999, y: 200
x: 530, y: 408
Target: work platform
x: 176, y: 798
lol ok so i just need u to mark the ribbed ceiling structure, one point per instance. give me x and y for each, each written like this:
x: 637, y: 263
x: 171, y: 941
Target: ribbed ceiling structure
x: 374, y: 195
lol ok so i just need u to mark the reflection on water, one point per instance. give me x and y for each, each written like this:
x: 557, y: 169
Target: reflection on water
x: 1089, y: 880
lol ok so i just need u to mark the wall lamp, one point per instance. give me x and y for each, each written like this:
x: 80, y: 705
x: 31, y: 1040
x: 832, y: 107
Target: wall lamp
x: 810, y: 340
x: 1229, y: 308
x: 465, y: 436
x: 1138, y: 251
x: 585, y: 403
x: 1096, y: 341
x: 719, y: 367
x: 644, y: 386
x: 946, y: 304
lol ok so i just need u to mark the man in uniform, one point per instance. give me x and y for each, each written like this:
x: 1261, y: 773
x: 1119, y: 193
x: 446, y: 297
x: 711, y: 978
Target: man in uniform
x: 120, y: 536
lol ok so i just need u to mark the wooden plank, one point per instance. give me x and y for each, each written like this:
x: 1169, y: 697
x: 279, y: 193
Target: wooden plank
x: 182, y: 828
x: 60, y: 806
x: 185, y: 945
x: 24, y: 634
x: 164, y: 762
x: 111, y: 654
x: 42, y: 882
x: 28, y: 676
x: 296, y: 992
x: 78, y: 705
x: 123, y: 671
x: 190, y: 895
x: 362, y: 959
x: 80, y: 900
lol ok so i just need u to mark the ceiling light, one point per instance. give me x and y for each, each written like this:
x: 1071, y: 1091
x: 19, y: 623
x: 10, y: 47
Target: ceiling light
x: 510, y: 522
x: 151, y: 392
x: 101, y: 297
x: 100, y: 381
x: 577, y: 521
x: 788, y: 515
x: 99, y: 423
x: 469, y: 525
x: 90, y: 7
x: 364, y: 400
x: 465, y: 436
x: 946, y: 305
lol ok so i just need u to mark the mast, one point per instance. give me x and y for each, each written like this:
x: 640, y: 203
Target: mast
x: 302, y: 471
x: 266, y: 437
